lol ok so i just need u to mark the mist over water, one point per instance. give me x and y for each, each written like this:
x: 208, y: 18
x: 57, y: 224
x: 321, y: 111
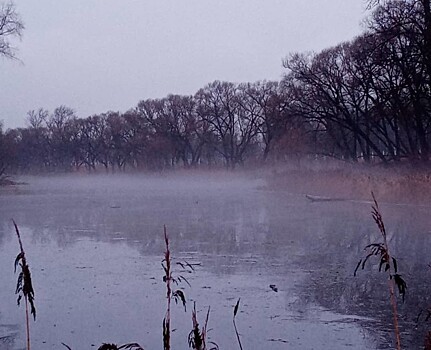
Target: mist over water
x: 95, y: 245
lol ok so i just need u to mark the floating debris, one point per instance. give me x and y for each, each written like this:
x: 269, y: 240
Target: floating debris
x: 273, y: 287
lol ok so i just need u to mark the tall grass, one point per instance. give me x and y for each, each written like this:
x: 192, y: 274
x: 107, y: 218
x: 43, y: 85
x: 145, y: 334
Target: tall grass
x: 171, y: 279
x: 130, y: 346
x: 108, y: 346
x: 198, y: 337
x: 24, y: 285
x: 388, y: 264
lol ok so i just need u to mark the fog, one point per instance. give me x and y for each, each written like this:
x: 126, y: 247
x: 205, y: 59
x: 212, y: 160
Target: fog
x: 95, y: 246
x: 280, y: 123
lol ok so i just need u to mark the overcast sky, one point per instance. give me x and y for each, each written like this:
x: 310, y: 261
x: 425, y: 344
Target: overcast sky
x: 100, y: 55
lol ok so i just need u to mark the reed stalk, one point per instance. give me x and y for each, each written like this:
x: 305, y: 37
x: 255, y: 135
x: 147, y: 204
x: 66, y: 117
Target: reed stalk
x: 197, y: 336
x: 24, y: 286
x: 177, y: 295
x: 390, y: 266
x: 235, y: 311
x: 167, y: 278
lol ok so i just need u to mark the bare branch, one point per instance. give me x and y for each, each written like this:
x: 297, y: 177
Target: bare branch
x: 11, y: 26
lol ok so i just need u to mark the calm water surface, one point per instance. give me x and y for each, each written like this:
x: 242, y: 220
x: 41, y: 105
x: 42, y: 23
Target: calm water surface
x: 95, y: 246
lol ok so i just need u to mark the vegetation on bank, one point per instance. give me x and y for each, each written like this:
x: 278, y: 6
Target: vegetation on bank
x: 395, y: 183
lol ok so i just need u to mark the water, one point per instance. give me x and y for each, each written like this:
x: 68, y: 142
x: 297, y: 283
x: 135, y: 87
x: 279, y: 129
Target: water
x: 95, y: 245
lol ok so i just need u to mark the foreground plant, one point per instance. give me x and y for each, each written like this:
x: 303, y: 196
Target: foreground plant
x: 107, y: 346
x: 235, y: 311
x: 197, y: 336
x: 427, y: 345
x: 387, y: 263
x: 24, y: 286
x: 423, y: 317
x: 130, y: 346
x: 177, y: 295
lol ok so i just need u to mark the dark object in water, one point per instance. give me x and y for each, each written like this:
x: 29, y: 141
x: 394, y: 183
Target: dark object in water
x: 273, y: 287
x: 323, y: 199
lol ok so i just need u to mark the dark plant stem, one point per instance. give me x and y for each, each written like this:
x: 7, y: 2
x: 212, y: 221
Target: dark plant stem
x: 24, y: 284
x: 167, y: 278
x: 395, y: 313
x: 27, y: 324
x: 237, y: 334
x: 204, y: 330
x: 235, y: 311
x: 391, y: 281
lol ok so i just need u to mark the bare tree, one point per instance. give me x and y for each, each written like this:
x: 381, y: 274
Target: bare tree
x: 11, y: 26
x: 36, y: 119
x: 234, y: 128
x: 3, y: 154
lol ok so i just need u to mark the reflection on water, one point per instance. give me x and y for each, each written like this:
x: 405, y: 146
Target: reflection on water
x: 95, y: 244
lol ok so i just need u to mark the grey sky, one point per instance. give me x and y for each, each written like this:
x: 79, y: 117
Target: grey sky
x: 100, y: 55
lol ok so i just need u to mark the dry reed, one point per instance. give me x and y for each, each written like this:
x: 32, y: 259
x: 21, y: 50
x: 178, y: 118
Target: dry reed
x: 389, y: 264
x: 24, y: 285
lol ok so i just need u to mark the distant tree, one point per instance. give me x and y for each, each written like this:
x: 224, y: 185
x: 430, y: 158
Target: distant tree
x: 60, y: 125
x: 119, y: 150
x: 234, y: 127
x: 137, y: 137
x: 37, y: 119
x: 264, y: 104
x: 421, y: 14
x: 371, y: 96
x: 160, y: 152
x: 4, y: 158
x: 11, y: 26
x: 184, y: 128
x: 92, y: 140
x: 403, y: 29
x: 326, y: 98
x: 34, y: 144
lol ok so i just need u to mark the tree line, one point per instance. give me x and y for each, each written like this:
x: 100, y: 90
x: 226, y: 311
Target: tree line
x: 366, y: 100
x: 222, y: 124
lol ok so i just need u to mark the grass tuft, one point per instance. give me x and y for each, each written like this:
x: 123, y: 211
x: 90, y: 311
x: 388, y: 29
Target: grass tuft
x: 197, y: 336
x: 109, y: 346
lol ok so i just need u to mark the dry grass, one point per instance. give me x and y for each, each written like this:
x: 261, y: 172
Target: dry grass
x: 172, y: 278
x: 6, y: 181
x: 24, y: 285
x: 388, y: 264
x: 356, y: 182
x: 197, y: 336
x: 108, y: 346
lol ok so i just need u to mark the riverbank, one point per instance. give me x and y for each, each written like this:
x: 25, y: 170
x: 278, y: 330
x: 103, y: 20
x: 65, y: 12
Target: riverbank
x: 330, y: 179
x: 399, y: 185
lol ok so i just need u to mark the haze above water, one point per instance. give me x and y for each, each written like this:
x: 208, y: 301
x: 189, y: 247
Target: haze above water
x: 95, y: 245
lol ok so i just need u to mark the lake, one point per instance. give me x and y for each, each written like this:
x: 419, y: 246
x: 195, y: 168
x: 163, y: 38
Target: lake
x: 95, y: 246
